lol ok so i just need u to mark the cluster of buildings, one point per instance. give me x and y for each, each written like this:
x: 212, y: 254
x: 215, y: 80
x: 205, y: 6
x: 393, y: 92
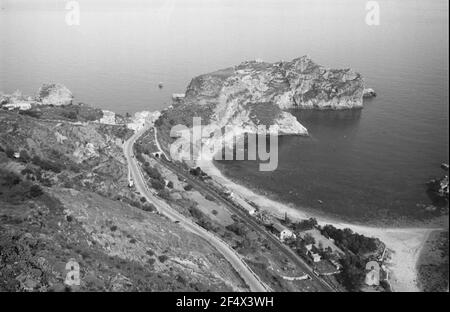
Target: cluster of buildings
x: 17, y: 105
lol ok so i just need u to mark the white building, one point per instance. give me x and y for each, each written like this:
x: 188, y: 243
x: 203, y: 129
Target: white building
x: 315, y: 257
x: 108, y: 117
x: 19, y: 105
x: 283, y: 232
x: 178, y: 96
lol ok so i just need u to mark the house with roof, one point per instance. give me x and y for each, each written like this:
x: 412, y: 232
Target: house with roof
x: 282, y: 232
x: 313, y: 253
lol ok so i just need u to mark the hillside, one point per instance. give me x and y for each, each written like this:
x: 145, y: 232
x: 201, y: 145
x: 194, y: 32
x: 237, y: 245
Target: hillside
x: 64, y: 195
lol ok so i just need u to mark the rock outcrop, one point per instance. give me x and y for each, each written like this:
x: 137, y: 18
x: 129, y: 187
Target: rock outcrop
x: 369, y: 93
x: 300, y: 83
x: 55, y: 94
x: 258, y: 93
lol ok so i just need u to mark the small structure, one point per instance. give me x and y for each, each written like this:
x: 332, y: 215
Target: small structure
x: 178, y: 96
x: 369, y: 93
x: 16, y: 155
x: 108, y: 117
x: 283, y: 232
x: 248, y: 205
x: 312, y: 253
x: 372, y: 278
x: 18, y: 105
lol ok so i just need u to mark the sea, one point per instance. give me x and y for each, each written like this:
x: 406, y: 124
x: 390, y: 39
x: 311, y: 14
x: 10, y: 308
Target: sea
x: 365, y: 165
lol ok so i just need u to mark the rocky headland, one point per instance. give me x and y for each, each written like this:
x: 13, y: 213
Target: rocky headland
x: 258, y: 93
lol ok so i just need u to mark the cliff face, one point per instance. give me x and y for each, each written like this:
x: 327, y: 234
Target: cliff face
x: 300, y: 83
x: 64, y: 195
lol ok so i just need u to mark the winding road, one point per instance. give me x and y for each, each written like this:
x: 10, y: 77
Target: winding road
x: 250, y: 278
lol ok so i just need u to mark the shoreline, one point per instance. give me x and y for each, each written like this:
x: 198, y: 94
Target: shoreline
x: 405, y: 243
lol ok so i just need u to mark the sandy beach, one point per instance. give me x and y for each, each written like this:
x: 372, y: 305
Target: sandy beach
x: 406, y: 243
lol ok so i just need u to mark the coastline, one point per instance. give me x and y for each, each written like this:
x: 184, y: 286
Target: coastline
x: 406, y: 243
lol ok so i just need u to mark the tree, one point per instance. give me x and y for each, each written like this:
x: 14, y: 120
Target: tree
x: 9, y: 152
x: 309, y: 239
x: 24, y: 156
x: 36, y: 191
x: 163, y: 258
x: 352, y: 273
x: 10, y: 179
x: 237, y: 228
x: 153, y: 173
x: 306, y: 225
x: 157, y: 184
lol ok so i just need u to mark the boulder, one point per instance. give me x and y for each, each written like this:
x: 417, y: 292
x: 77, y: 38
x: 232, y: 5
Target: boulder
x: 56, y: 94
x: 369, y: 93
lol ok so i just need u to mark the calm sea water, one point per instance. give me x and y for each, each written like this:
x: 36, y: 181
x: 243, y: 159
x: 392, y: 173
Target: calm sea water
x: 360, y: 164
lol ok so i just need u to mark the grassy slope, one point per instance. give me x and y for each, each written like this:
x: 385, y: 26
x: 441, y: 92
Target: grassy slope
x: 84, y: 214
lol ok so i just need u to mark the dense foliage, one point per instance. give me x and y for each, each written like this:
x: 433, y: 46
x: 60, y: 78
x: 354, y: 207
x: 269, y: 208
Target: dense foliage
x: 347, y: 239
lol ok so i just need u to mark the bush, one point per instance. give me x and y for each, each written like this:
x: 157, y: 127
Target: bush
x: 24, y: 157
x: 9, y: 152
x: 70, y: 115
x: 309, y: 239
x: 157, y: 184
x: 163, y: 258
x: 139, y: 156
x: 153, y: 173
x: 188, y: 187
x: 165, y: 194
x: 36, y: 191
x: 143, y: 200
x: 31, y: 113
x: 352, y: 273
x: 10, y: 179
x: 196, y: 172
x: 196, y: 213
x: 46, y: 164
x: 26, y: 171
x: 237, y: 228
x: 306, y: 225
x: 148, y: 207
